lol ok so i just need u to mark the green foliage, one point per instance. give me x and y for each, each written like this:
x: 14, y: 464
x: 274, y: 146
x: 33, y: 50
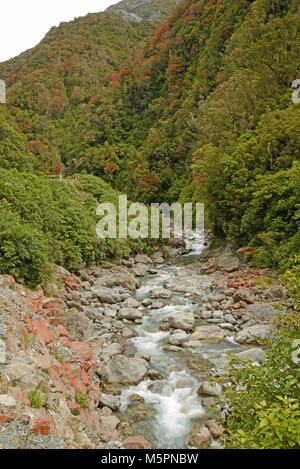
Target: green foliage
x: 81, y: 400
x: 35, y: 399
x: 264, y: 400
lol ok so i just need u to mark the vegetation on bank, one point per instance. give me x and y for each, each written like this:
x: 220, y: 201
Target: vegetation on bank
x: 263, y: 401
x: 46, y: 221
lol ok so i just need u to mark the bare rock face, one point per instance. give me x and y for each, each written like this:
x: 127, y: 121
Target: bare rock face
x: 2, y: 92
x: 123, y: 370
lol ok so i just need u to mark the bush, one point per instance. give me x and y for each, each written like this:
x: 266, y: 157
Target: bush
x: 264, y: 401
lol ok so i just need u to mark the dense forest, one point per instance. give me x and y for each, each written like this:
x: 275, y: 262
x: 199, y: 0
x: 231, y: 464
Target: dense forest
x: 199, y: 109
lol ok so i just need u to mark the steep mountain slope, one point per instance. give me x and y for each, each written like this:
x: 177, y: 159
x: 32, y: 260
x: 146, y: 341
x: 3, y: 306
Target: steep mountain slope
x: 51, y: 87
x: 139, y: 10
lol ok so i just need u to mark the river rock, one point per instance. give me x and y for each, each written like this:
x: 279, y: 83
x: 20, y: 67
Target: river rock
x: 128, y: 333
x: 108, y: 400
x: 131, y: 303
x: 253, y: 354
x: 124, y: 370
x: 210, y: 389
x: 182, y: 320
x: 214, y: 428
x: 192, y: 344
x: 230, y: 318
x: 7, y: 401
x: 208, y: 334
x: 206, y: 315
x: 161, y: 294
x: 200, y: 437
x: 2, y: 352
x: 276, y: 292
x: 110, y: 350
x: 108, y: 295
x: 243, y: 294
x: 142, y: 259
x: 130, y: 313
x: 178, y: 338
x: 109, y: 422
x: 254, y: 334
x: 78, y: 325
x: 261, y: 312
x: 160, y: 387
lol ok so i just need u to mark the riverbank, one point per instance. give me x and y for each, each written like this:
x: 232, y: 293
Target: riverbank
x: 119, y: 357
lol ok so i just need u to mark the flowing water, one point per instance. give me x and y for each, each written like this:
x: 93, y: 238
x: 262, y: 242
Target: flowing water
x: 171, y: 406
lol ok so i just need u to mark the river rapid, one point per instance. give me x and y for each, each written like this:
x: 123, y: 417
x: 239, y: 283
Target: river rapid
x: 170, y: 406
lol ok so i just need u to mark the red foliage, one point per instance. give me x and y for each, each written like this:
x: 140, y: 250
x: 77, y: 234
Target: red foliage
x: 35, y: 146
x: 225, y: 33
x: 160, y: 32
x: 125, y: 72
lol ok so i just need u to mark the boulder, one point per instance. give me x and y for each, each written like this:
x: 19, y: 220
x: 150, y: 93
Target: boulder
x: 109, y: 422
x: 210, y: 389
x: 124, y: 370
x: 2, y: 352
x: 243, y: 294
x: 254, y: 334
x: 215, y: 429
x: 261, y: 312
x: 208, y: 334
x: 7, y: 401
x: 200, y: 437
x: 178, y: 338
x: 108, y: 400
x: 142, y: 259
x: 254, y: 354
x: 161, y: 294
x: 130, y: 313
x: 131, y: 303
x: 182, y: 320
x: 108, y: 295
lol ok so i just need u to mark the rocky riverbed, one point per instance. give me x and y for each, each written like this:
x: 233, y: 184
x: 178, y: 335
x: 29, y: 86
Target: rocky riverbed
x: 120, y: 356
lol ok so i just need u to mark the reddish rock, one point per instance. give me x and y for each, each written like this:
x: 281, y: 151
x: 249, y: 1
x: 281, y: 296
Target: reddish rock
x: 72, y: 285
x: 42, y: 427
x: 35, y: 301
x: 52, y: 307
x: 40, y: 329
x: 83, y: 350
x: 62, y: 331
x: 137, y: 442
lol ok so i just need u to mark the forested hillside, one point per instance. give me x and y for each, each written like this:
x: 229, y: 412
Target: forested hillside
x: 200, y: 109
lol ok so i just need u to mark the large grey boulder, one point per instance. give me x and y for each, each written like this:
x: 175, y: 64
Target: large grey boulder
x: 124, y: 370
x: 253, y: 354
x: 130, y: 313
x: 108, y: 400
x: 210, y: 389
x: 254, y: 334
x: 178, y: 338
x: 182, y: 320
x: 208, y: 334
x: 261, y: 312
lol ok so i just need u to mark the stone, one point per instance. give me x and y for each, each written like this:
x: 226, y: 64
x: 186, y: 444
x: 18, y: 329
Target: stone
x: 2, y: 352
x: 142, y: 259
x: 227, y: 326
x: 130, y: 313
x: 214, y: 428
x: 276, y: 292
x: 78, y: 325
x: 254, y: 334
x: 136, y: 398
x: 243, y: 294
x: 124, y: 370
x: 161, y: 294
x: 208, y: 334
x: 19, y: 370
x: 254, y: 354
x: 200, y: 437
x: 192, y: 344
x: 210, y: 389
x: 109, y: 422
x: 7, y: 401
x: 131, y: 303
x: 178, y: 338
x: 137, y: 442
x: 112, y: 349
x: 230, y: 318
x: 108, y: 295
x: 160, y: 387
x: 127, y: 333
x: 261, y: 312
x: 108, y: 400
x: 182, y: 320
x: 206, y: 315
x: 228, y: 263
x: 208, y: 402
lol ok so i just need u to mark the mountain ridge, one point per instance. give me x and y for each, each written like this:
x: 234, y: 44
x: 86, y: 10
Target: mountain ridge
x: 143, y: 10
